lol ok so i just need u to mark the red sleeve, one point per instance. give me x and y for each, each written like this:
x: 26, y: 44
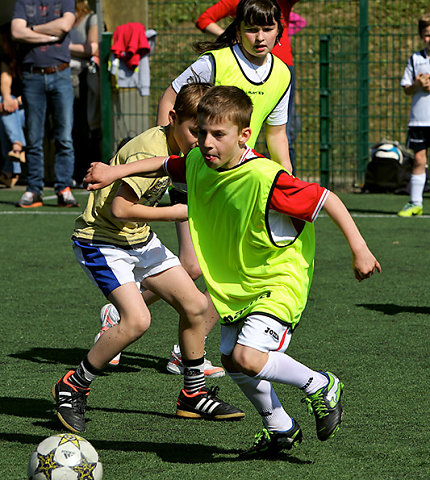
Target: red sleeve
x: 297, y: 198
x: 283, y: 49
x: 221, y: 9
x: 174, y: 166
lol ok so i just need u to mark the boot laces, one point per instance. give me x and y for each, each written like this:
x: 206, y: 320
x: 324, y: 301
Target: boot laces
x: 316, y: 405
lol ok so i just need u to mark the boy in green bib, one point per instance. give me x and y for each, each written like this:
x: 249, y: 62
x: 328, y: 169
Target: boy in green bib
x: 251, y: 223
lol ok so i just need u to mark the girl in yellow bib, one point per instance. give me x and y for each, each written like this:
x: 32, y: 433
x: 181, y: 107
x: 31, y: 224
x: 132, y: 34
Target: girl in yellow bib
x: 241, y: 57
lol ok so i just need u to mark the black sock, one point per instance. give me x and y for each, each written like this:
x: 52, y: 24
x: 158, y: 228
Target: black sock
x: 84, y: 374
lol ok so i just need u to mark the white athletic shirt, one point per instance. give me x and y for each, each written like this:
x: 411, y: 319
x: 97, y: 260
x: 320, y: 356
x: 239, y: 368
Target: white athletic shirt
x: 419, y: 62
x: 203, y: 68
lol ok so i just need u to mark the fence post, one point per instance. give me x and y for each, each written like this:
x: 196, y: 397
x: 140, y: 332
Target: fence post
x: 363, y: 100
x: 324, y: 111
x: 106, y: 98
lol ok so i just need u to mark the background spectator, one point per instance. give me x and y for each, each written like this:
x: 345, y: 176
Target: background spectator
x: 43, y: 28
x: 84, y: 66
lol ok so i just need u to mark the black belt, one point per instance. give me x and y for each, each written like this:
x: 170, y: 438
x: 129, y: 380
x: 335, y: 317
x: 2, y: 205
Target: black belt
x: 46, y: 70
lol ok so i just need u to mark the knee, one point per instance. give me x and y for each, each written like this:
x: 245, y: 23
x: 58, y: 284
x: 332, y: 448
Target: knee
x: 194, y: 311
x: 245, y: 361
x: 134, y: 326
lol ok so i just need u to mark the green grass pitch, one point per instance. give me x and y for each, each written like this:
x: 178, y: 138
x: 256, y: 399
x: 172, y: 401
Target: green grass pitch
x: 373, y: 334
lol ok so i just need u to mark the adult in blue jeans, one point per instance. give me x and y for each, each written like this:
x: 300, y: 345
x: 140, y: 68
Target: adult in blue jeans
x: 43, y: 29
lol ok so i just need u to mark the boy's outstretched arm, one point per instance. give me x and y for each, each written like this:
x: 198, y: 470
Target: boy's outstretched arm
x: 125, y: 207
x: 364, y: 263
x: 100, y: 175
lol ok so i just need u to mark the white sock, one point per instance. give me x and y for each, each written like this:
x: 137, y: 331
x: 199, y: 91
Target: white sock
x: 283, y: 369
x: 261, y: 394
x: 417, y: 188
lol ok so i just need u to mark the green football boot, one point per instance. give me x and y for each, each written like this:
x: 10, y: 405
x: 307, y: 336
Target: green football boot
x: 267, y: 444
x: 411, y: 210
x: 326, y: 406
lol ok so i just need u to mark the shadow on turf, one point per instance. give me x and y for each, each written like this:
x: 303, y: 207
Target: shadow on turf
x: 393, y: 309
x: 71, y: 357
x: 167, y: 451
x: 44, y: 411
x: 371, y: 211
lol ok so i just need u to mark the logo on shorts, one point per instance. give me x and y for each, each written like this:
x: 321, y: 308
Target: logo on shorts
x: 272, y: 333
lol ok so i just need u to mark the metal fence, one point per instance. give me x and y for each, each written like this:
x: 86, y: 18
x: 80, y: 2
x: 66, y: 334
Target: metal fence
x: 348, y: 60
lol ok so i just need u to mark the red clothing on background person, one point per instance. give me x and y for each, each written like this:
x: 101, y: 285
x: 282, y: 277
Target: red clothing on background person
x: 227, y: 8
x: 130, y: 43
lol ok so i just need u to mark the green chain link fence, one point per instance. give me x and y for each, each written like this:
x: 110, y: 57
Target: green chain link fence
x: 348, y: 61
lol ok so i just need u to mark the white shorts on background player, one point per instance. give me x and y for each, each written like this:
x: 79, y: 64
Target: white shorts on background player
x: 258, y: 331
x: 109, y: 266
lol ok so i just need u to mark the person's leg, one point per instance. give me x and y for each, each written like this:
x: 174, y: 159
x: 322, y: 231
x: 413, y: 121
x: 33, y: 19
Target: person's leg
x: 418, y: 177
x: 61, y: 104
x: 14, y: 126
x: 135, y: 320
x: 34, y: 98
x: 419, y: 141
x: 176, y: 287
x: 12, y: 141
x: 259, y: 354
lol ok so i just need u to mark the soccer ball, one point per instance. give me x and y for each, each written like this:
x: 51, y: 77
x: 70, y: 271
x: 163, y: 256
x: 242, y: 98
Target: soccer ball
x: 388, y: 150
x: 64, y: 457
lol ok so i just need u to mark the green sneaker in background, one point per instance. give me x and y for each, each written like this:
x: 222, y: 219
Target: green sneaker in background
x: 411, y: 210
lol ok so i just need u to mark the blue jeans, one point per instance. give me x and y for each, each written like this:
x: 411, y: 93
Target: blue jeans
x: 54, y: 91
x: 11, y: 130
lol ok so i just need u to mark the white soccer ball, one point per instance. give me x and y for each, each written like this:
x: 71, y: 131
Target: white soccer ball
x: 64, y: 457
x: 389, y: 150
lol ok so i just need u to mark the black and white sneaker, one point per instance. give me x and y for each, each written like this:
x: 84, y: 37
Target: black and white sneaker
x: 205, y: 404
x: 71, y: 403
x: 267, y: 443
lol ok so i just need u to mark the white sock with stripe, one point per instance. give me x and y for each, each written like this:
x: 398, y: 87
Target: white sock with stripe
x: 281, y: 368
x: 261, y: 394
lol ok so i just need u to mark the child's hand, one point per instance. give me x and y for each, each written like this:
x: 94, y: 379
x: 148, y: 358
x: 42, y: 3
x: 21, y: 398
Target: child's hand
x: 424, y: 81
x: 364, y: 264
x: 98, y: 175
x: 180, y: 212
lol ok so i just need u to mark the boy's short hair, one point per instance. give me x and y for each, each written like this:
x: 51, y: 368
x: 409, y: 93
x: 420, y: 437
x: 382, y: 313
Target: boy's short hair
x: 423, y: 22
x: 188, y: 98
x: 226, y: 102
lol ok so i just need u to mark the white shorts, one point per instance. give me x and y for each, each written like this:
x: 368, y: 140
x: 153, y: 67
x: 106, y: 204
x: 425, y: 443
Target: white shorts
x: 258, y: 331
x: 109, y: 266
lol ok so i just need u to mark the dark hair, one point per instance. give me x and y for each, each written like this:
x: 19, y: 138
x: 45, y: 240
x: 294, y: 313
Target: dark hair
x: 423, y: 23
x: 188, y: 98
x: 226, y: 102
x: 250, y: 12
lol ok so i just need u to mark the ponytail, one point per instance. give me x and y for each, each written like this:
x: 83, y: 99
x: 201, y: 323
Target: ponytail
x: 227, y: 39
